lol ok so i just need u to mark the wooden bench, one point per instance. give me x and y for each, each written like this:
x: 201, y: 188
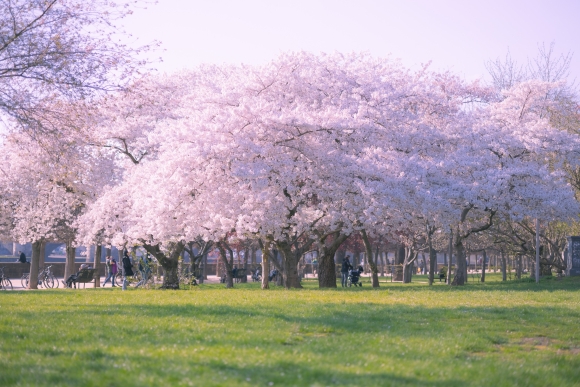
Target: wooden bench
x: 240, y: 273
x: 84, y: 276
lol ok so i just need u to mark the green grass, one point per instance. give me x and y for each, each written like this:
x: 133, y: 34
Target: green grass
x: 493, y: 334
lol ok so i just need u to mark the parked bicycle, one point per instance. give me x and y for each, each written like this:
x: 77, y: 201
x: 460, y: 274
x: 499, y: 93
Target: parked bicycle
x: 45, y: 279
x: 5, y: 283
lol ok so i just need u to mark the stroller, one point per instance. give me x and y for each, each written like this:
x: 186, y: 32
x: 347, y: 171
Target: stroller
x: 257, y: 274
x: 354, y: 277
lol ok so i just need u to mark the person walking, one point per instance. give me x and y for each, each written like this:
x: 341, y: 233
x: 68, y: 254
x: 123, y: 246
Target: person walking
x: 111, y: 266
x: 346, y: 266
x: 127, y: 269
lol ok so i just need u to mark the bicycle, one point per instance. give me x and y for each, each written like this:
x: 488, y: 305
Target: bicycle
x: 45, y: 278
x: 5, y: 283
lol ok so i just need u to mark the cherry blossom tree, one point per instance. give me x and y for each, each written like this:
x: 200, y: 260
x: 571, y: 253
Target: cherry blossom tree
x: 61, y: 50
x: 314, y: 148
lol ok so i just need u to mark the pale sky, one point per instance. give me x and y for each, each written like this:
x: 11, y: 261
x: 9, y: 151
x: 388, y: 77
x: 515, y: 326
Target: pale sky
x: 453, y: 34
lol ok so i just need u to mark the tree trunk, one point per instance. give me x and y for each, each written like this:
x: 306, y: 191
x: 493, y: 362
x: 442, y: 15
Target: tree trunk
x: 519, y: 267
x: 326, y: 263
x: 407, y: 272
x: 398, y: 272
x: 244, y: 279
x: 97, y: 265
x: 483, y: 266
x: 229, y: 265
x: 69, y: 267
x: 42, y: 254
x: 265, y: 265
x: 326, y: 270
x: 34, y: 268
x: 371, y: 262
x: 409, y: 264
x: 503, y: 267
x: 432, y: 256
x: 450, y: 260
x: 461, y: 266
x: 170, y: 264
x: 432, y: 259
x: 290, y: 275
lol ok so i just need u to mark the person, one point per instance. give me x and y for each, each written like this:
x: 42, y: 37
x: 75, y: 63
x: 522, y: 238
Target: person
x: 346, y: 266
x: 73, y: 277
x: 111, y: 266
x: 145, y: 269
x: 273, y: 274
x: 22, y: 258
x: 127, y: 268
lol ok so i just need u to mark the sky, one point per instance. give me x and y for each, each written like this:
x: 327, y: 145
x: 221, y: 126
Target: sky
x: 455, y: 35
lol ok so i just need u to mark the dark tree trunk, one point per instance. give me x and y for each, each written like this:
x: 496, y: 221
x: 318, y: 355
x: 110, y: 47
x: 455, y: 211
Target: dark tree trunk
x: 42, y: 254
x: 503, y: 267
x: 372, y: 264
x: 398, y: 269
x: 483, y: 266
x: 97, y: 264
x: 407, y: 272
x: 265, y: 265
x: 450, y: 260
x: 461, y: 266
x: 326, y: 263
x: 34, y: 260
x: 432, y: 265
x: 326, y: 271
x: 169, y: 263
x: 69, y: 268
x: 245, y: 267
x: 432, y: 257
x: 228, y: 264
x: 290, y: 274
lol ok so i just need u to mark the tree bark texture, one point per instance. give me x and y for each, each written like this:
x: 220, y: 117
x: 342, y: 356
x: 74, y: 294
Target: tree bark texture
x: 409, y: 264
x: 69, y: 267
x: 245, y: 267
x: 42, y: 254
x: 432, y: 262
x: 228, y: 264
x: 369, y: 254
x: 326, y: 263
x: 291, y: 258
x: 34, y: 261
x: 398, y: 269
x: 461, y: 265
x: 503, y: 267
x: 265, y: 265
x: 483, y: 265
x: 169, y: 263
x: 97, y: 264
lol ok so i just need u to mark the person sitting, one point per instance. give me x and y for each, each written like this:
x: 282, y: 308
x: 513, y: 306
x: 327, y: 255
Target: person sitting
x: 73, y: 277
x: 22, y: 258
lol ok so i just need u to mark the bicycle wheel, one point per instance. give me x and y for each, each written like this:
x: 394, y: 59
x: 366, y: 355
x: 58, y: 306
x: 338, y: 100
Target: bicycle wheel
x: 55, y: 281
x: 48, y: 282
x: 24, y: 280
x: 6, y: 284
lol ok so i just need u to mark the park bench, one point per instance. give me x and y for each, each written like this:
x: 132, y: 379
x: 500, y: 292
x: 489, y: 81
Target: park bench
x: 84, y: 276
x: 240, y: 273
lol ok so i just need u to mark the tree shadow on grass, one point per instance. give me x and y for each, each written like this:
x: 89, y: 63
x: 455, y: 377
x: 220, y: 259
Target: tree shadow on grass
x: 146, y: 342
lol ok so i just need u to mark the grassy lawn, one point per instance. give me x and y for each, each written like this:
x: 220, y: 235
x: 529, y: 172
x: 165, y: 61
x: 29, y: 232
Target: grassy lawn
x: 493, y: 334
